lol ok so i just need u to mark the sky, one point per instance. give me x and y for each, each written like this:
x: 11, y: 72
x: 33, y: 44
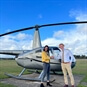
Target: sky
x: 18, y: 14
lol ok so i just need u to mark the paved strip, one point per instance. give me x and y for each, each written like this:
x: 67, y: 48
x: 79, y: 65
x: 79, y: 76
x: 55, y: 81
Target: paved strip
x: 59, y: 82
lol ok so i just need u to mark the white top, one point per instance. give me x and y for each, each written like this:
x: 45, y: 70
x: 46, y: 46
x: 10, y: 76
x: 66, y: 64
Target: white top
x: 68, y: 56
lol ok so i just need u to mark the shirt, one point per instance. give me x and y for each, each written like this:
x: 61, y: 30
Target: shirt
x: 68, y: 56
x: 45, y: 57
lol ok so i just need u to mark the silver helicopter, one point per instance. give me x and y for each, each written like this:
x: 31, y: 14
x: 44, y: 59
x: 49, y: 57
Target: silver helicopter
x: 31, y: 59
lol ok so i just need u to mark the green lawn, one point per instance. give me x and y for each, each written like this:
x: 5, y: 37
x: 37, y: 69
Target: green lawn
x: 81, y: 69
x: 10, y: 66
x: 6, y: 85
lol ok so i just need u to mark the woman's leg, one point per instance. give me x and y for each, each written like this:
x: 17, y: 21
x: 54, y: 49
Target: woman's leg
x: 44, y: 71
x: 48, y: 72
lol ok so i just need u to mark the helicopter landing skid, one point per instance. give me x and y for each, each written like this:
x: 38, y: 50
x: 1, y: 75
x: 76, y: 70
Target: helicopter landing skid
x: 29, y: 79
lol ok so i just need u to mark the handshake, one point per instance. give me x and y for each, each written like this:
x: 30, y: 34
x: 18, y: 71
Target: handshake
x: 52, y: 57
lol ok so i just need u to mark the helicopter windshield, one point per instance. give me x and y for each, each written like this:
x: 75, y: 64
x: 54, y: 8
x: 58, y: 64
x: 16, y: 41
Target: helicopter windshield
x: 54, y: 51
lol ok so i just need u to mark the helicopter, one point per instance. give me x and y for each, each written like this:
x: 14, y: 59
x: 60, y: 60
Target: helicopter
x: 31, y: 59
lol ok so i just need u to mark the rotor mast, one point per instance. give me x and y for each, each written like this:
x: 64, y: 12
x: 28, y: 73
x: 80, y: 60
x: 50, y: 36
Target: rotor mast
x: 36, y: 39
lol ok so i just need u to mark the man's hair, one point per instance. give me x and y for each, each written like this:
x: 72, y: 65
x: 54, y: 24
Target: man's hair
x: 61, y: 44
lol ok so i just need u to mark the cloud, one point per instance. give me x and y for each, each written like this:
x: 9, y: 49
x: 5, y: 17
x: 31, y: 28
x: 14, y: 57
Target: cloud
x: 22, y: 36
x: 58, y: 34
x: 17, y: 42
x: 74, y: 39
x: 78, y: 15
x: 50, y: 42
x: 40, y: 16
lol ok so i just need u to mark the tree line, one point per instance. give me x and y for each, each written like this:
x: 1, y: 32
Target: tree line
x: 80, y: 56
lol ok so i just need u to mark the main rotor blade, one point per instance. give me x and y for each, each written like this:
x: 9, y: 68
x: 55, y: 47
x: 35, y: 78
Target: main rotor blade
x: 39, y: 26
x: 16, y: 31
x: 64, y: 23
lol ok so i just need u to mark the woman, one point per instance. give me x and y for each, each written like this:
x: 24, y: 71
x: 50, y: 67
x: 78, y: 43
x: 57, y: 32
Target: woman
x: 46, y: 65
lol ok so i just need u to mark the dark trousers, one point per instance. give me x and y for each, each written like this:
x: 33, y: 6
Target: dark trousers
x: 46, y: 71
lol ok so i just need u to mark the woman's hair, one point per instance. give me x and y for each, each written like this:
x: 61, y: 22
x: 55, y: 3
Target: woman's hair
x: 44, y: 48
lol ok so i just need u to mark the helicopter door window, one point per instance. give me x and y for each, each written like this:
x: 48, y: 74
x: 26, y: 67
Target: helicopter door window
x: 56, y: 52
x: 38, y: 53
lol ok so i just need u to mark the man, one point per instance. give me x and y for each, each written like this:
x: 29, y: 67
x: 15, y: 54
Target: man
x: 66, y: 59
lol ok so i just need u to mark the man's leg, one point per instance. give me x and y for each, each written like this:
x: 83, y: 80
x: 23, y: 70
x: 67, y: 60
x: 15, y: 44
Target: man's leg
x: 69, y: 70
x: 65, y: 73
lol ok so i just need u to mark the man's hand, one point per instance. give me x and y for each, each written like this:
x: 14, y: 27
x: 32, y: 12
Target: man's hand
x: 70, y: 63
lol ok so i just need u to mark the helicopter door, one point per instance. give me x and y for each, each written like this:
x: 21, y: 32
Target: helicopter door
x: 50, y: 52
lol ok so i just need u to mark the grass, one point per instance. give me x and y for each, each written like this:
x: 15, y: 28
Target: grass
x: 81, y: 69
x: 6, y: 85
x: 10, y: 66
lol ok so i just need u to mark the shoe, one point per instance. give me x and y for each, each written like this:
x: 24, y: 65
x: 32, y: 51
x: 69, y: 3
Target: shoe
x: 48, y: 84
x: 65, y: 85
x: 41, y: 85
x: 73, y: 86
